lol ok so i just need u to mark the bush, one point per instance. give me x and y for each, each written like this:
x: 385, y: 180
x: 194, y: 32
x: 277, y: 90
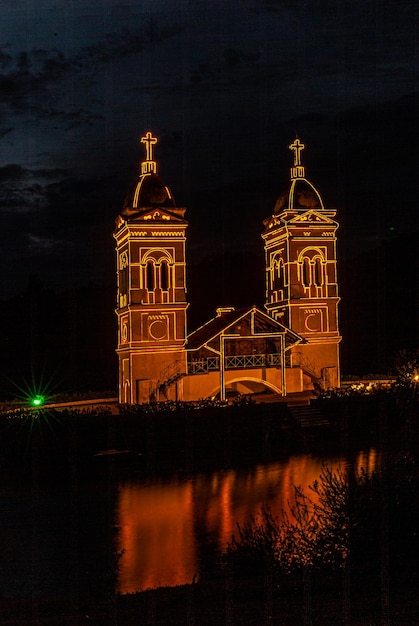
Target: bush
x: 315, y: 536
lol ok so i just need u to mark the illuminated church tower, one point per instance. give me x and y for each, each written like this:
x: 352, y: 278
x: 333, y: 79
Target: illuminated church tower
x: 301, y: 276
x: 151, y: 306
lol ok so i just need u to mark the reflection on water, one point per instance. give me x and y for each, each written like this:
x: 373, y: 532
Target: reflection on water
x: 366, y: 461
x: 157, y: 532
x: 161, y: 523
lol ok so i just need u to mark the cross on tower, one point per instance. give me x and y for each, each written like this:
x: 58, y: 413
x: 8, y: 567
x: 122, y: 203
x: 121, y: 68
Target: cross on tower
x: 297, y: 147
x: 149, y: 141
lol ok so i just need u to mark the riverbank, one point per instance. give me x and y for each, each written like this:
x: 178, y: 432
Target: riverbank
x: 186, y: 439
x: 252, y: 602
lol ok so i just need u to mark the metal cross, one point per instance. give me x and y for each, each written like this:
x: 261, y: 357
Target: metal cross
x: 297, y: 147
x: 149, y: 141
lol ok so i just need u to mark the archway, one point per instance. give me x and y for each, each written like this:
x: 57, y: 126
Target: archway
x: 246, y: 386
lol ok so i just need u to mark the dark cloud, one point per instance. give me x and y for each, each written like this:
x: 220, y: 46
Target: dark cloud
x: 59, y: 228
x: 227, y: 66
x: 49, y: 173
x: 5, y: 58
x: 22, y: 199
x: 119, y: 45
x: 31, y: 72
x: 23, y: 190
x: 41, y: 244
x: 6, y: 131
x: 13, y: 172
x: 71, y: 119
x: 17, y: 193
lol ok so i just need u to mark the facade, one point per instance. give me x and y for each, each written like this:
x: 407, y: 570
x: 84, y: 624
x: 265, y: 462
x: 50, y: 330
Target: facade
x: 291, y: 347
x: 151, y: 308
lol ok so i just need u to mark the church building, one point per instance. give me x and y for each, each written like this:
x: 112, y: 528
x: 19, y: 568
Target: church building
x: 291, y: 347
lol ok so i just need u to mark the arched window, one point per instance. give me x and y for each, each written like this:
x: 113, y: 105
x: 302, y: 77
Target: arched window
x: 318, y: 272
x: 123, y: 273
x: 280, y: 274
x: 164, y: 276
x: 277, y: 274
x: 306, y: 278
x: 150, y: 284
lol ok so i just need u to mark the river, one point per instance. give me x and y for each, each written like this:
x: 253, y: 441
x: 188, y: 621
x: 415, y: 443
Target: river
x: 62, y: 538
x: 164, y: 526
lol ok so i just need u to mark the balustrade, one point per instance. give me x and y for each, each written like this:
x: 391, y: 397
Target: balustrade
x: 242, y: 361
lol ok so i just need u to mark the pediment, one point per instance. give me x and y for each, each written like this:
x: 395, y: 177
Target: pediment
x: 253, y: 322
x: 311, y: 217
x: 249, y: 323
x: 156, y: 214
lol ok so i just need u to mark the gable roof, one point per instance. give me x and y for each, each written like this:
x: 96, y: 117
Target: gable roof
x: 226, y: 319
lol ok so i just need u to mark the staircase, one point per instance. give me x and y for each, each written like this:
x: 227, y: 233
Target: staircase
x: 308, y: 416
x: 169, y: 375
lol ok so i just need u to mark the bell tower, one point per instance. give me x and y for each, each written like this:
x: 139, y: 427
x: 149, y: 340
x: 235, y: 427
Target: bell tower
x: 150, y: 239
x: 301, y: 274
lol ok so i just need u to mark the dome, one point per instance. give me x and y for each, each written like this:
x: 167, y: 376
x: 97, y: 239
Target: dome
x: 149, y: 191
x: 301, y: 195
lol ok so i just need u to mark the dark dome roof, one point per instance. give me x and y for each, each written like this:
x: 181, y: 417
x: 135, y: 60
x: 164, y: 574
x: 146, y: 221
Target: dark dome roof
x: 301, y: 195
x: 149, y: 191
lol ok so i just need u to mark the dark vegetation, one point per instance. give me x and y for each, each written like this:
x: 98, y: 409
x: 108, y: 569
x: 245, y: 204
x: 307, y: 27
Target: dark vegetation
x: 184, y: 437
x: 347, y: 555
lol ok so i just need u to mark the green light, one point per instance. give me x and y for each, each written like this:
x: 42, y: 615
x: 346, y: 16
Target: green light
x: 38, y: 400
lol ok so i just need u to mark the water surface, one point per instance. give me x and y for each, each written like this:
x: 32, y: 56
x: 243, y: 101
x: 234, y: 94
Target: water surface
x: 164, y: 526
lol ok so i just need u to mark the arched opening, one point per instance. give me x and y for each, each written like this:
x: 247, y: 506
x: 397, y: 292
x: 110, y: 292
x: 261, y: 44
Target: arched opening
x: 279, y: 274
x: 150, y: 283
x: 306, y: 274
x: 318, y: 272
x: 126, y: 399
x: 164, y: 276
x: 246, y: 386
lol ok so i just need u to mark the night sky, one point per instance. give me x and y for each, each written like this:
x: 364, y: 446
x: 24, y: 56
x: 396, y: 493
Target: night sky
x: 226, y: 86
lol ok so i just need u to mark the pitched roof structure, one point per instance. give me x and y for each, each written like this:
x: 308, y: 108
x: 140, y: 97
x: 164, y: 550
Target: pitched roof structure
x: 227, y: 319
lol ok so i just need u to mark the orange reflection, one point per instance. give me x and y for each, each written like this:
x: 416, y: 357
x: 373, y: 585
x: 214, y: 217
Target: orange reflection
x: 156, y: 532
x: 237, y: 496
x: 159, y: 523
x: 367, y: 461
